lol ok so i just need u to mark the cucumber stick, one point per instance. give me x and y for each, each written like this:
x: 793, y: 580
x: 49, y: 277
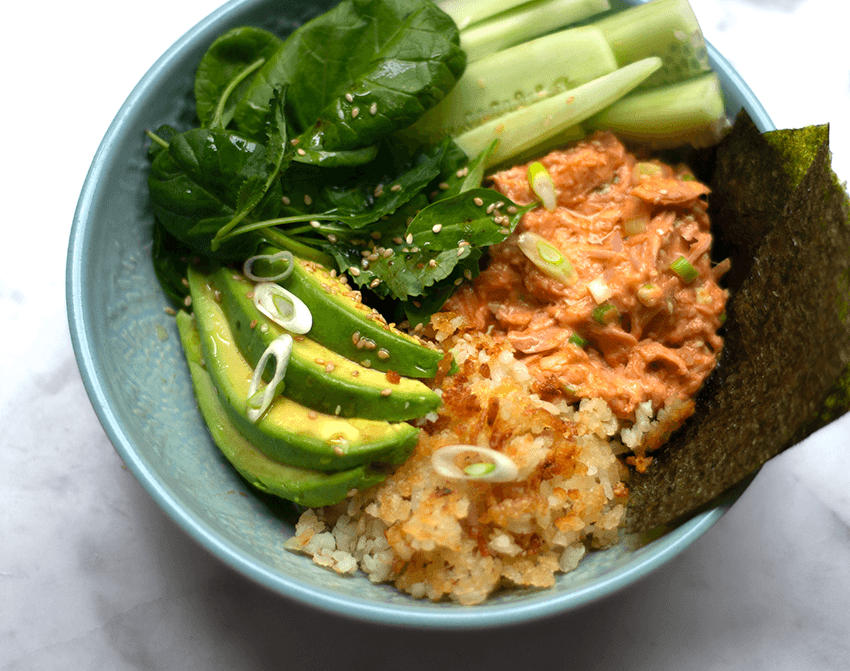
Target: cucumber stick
x: 527, y: 127
x: 665, y: 28
x: 524, y: 23
x: 466, y: 12
x: 692, y: 112
x: 518, y: 76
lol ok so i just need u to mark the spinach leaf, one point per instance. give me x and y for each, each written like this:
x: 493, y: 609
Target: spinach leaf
x: 435, y: 251
x: 170, y: 260
x: 199, y: 184
x: 361, y: 196
x: 361, y: 71
x: 226, y: 70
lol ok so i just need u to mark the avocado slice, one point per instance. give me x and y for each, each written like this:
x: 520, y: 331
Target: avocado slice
x: 305, y: 487
x: 316, y: 377
x: 359, y: 333
x: 288, y: 431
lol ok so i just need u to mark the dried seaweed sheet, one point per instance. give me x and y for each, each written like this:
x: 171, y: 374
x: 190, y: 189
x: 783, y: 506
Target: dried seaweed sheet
x: 784, y: 220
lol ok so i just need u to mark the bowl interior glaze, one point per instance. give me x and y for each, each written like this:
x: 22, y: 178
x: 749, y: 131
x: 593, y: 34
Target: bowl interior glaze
x: 132, y: 365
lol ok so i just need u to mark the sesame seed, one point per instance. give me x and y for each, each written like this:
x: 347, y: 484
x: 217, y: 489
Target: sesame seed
x: 490, y: 208
x: 355, y: 373
x: 331, y: 238
x: 436, y: 228
x: 315, y: 224
x: 460, y: 251
x: 285, y: 200
x: 320, y: 362
x: 463, y: 243
x: 338, y: 410
x: 330, y: 368
x: 467, y: 274
x: 386, y: 392
x: 354, y: 270
x: 397, y: 241
x: 250, y: 295
x: 379, y: 190
x: 443, y: 186
x: 388, y: 253
x: 253, y: 324
x: 307, y: 200
x: 373, y: 110
x: 355, y: 112
x: 395, y: 187
x: 349, y: 97
x: 301, y: 152
x: 463, y: 172
x: 504, y: 231
x: 374, y: 283
x: 355, y: 337
x: 170, y: 311
x: 409, y: 239
x: 383, y: 354
x: 512, y: 209
x: 432, y: 263
x: 458, y: 282
x: 478, y: 201
x: 366, y: 363
x: 500, y: 204
x: 294, y: 142
x: 373, y: 257
x: 264, y: 328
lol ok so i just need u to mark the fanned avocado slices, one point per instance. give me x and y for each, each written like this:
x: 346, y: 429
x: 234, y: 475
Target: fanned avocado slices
x: 306, y: 487
x: 359, y: 333
x: 288, y: 431
x: 316, y: 377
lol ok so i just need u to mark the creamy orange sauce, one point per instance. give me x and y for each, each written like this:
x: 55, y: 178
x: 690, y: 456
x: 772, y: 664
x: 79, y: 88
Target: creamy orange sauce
x: 664, y: 342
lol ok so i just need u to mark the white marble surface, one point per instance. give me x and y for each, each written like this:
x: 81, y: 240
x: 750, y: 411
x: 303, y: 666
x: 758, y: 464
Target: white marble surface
x: 94, y: 576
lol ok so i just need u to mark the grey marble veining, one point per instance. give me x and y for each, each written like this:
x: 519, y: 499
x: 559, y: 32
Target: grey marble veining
x: 94, y: 576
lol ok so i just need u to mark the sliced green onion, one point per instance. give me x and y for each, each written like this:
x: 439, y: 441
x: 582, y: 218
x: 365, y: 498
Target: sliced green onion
x: 477, y: 470
x: 493, y: 467
x: 547, y: 257
x: 259, y: 400
x: 643, y: 170
x: 649, y: 295
x: 577, y: 340
x: 283, y: 307
x: 542, y: 184
x: 684, y: 269
x: 605, y: 313
x: 248, y: 266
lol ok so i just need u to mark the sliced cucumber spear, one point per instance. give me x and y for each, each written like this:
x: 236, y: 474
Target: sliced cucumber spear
x: 524, y: 128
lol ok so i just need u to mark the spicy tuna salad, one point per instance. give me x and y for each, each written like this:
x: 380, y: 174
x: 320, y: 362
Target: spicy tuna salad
x: 579, y: 348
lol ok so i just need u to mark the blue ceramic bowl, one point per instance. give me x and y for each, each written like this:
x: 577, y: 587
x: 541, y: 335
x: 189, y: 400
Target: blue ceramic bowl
x: 131, y: 362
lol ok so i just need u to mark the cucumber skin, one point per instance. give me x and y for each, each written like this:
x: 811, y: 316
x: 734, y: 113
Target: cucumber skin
x: 305, y: 487
x: 306, y: 382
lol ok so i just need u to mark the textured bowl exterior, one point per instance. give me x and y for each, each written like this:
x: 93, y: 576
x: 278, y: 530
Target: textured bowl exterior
x: 132, y: 365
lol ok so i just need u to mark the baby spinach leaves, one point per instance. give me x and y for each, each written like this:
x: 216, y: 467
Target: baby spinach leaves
x: 301, y: 130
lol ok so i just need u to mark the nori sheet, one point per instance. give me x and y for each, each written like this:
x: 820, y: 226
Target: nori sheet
x: 783, y: 218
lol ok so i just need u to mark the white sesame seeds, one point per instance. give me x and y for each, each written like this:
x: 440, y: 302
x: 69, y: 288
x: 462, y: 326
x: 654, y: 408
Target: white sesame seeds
x: 285, y: 200
x: 490, y: 208
x: 374, y: 283
x: 436, y: 228
x: 386, y: 392
x: 355, y: 112
x: 395, y: 187
x: 458, y: 282
x: 354, y: 270
x: 349, y: 97
x: 300, y: 152
x: 460, y: 251
x: 443, y: 186
x: 383, y: 354
x: 409, y: 239
x: 315, y: 224
x: 330, y: 368
x: 432, y: 263
x: 478, y: 201
x: 373, y: 110
x: 307, y: 200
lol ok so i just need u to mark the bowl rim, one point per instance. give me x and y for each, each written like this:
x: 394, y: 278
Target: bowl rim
x: 389, y: 613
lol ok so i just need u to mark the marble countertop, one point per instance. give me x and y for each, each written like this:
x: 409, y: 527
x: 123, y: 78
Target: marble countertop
x: 94, y: 576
